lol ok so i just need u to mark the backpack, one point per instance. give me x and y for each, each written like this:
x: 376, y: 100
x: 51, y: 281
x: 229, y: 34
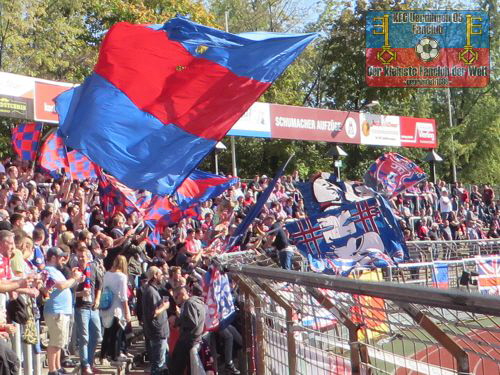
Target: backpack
x: 106, y: 299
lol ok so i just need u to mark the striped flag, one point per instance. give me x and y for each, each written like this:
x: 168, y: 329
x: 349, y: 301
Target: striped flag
x: 489, y: 275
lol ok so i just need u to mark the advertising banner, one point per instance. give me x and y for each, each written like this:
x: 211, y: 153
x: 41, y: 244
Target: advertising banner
x: 380, y: 130
x: 45, y: 93
x: 312, y: 124
x: 16, y: 96
x: 418, y: 132
x: 254, y: 123
x: 29, y: 98
x: 266, y: 120
x: 33, y: 99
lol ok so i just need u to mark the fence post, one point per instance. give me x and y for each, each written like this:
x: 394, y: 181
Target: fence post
x: 427, y: 324
x: 261, y: 351
x: 291, y: 344
x: 259, y: 329
x: 248, y: 336
x: 358, y: 352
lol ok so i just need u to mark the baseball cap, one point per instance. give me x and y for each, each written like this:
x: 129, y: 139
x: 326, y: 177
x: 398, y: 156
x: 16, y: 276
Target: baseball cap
x: 55, y: 251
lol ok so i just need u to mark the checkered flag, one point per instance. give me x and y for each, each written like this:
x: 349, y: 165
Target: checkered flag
x: 25, y: 140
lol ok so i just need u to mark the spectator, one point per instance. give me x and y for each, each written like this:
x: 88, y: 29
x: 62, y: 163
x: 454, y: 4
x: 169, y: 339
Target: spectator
x: 191, y: 322
x: 115, y: 318
x: 156, y: 329
x: 278, y: 238
x: 88, y: 323
x: 58, y: 308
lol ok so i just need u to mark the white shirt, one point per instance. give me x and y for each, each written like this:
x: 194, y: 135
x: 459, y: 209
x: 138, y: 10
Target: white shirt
x: 117, y: 282
x: 445, y: 204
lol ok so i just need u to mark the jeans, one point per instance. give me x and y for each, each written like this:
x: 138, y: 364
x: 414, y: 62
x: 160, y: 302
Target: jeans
x: 286, y: 259
x: 157, y: 355
x: 88, y: 325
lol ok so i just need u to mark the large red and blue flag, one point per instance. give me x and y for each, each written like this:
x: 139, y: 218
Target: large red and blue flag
x: 161, y: 97
x: 201, y: 186
x: 391, y: 174
x: 25, y: 140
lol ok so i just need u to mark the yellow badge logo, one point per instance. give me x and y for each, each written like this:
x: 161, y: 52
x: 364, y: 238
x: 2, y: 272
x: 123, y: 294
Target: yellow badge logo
x: 200, y: 50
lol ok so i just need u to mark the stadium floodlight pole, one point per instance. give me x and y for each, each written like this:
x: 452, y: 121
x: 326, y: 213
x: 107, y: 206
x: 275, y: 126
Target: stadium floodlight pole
x: 453, y: 162
x: 233, y: 142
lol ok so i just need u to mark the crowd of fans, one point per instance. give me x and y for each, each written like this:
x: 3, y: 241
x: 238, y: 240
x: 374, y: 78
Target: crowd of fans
x: 441, y: 212
x: 83, y: 277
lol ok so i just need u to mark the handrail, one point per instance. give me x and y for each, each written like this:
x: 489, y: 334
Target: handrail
x: 451, y: 299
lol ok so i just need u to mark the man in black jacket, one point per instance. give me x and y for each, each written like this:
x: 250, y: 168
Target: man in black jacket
x: 191, y: 322
x: 156, y: 330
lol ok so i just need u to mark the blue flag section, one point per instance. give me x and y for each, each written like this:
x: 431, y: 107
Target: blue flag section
x: 160, y: 97
x: 325, y: 191
x: 362, y: 233
x: 257, y: 207
x: 440, y: 278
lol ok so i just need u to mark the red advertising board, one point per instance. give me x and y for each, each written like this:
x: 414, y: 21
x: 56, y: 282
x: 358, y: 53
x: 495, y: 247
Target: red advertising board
x: 312, y: 124
x: 45, y: 93
x: 418, y: 132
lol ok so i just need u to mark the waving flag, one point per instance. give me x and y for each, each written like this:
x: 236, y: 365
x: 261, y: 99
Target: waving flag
x: 116, y: 197
x: 392, y: 174
x: 218, y: 298
x: 489, y: 275
x: 53, y: 153
x: 53, y: 157
x: 361, y: 233
x: 25, y: 139
x: 326, y: 191
x: 201, y: 186
x: 80, y: 167
x: 161, y: 97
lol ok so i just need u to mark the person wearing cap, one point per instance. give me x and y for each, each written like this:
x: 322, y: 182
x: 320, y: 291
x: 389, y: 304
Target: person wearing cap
x: 59, y: 307
x: 156, y: 329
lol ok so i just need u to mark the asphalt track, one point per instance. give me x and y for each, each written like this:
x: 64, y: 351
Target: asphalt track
x: 439, y: 356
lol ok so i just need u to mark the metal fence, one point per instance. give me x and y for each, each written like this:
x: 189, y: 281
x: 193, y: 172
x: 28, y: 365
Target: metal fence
x: 306, y: 323
x: 425, y: 251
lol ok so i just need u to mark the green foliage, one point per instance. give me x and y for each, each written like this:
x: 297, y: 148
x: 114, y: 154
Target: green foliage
x: 59, y: 39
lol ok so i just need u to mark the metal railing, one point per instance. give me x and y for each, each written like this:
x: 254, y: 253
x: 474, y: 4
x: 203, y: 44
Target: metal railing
x: 425, y: 251
x: 307, y: 323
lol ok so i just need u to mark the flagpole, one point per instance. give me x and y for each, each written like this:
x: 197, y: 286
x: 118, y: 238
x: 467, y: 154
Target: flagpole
x: 233, y: 142
x: 450, y: 118
x: 37, y: 153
